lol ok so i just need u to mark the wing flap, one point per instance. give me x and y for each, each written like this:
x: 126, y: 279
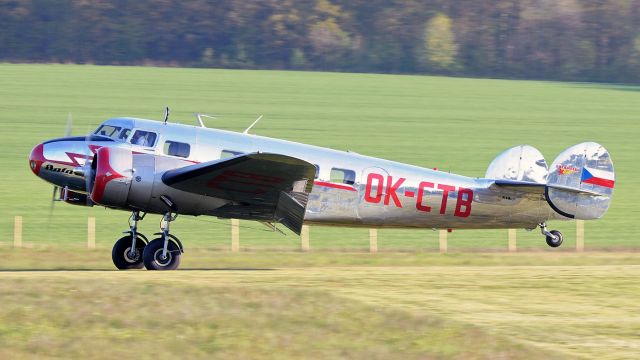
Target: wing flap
x: 290, y: 212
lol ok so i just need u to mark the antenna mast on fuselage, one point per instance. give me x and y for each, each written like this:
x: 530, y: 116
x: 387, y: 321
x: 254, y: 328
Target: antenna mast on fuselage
x: 166, y: 115
x: 246, y: 131
x: 200, y: 116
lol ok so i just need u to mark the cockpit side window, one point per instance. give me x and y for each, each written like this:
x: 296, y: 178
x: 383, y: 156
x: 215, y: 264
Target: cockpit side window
x: 344, y: 176
x: 144, y: 138
x: 114, y: 132
x: 124, y: 134
x: 108, y: 130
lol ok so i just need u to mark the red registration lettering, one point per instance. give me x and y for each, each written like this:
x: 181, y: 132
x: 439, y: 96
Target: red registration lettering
x: 465, y: 197
x: 445, y: 195
x: 391, y: 191
x: 419, y: 205
x: 463, y: 201
x: 380, y: 182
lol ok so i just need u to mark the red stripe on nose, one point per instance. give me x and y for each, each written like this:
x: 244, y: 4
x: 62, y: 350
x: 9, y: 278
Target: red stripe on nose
x: 36, y: 158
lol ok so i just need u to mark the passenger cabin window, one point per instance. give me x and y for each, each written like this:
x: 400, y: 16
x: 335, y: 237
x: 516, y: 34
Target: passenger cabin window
x: 344, y: 176
x: 143, y: 138
x: 225, y: 154
x: 178, y: 149
x: 317, y: 170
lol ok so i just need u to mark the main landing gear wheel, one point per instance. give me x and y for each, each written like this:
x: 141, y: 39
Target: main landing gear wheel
x: 164, y: 252
x: 127, y: 252
x: 123, y: 257
x: 153, y: 255
x: 555, y: 240
x: 554, y: 237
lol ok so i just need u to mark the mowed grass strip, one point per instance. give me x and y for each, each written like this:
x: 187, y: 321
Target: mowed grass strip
x: 336, y: 305
x: 140, y: 315
x: 454, y: 124
x: 69, y: 258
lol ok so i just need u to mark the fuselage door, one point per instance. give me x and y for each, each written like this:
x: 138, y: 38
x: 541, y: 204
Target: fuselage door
x: 372, y: 193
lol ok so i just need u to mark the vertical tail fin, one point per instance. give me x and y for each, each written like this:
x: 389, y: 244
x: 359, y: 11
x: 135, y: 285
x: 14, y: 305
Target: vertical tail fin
x: 519, y: 163
x: 586, y: 169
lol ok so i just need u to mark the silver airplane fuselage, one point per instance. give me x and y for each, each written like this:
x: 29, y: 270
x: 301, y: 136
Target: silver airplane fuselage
x: 367, y: 192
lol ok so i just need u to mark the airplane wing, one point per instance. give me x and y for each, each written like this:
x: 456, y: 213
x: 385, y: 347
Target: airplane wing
x: 259, y: 186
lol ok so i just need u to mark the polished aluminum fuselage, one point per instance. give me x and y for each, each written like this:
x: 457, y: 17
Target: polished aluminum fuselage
x: 384, y: 194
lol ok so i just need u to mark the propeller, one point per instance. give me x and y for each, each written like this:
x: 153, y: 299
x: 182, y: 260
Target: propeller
x: 53, y: 202
x: 67, y: 132
x: 89, y: 173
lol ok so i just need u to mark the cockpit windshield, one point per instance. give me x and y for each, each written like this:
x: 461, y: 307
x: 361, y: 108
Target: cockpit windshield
x: 114, y: 132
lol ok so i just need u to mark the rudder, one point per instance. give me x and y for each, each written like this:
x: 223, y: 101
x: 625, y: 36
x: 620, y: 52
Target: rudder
x: 580, y: 182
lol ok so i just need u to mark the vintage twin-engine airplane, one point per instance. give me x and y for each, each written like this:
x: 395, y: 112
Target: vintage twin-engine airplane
x: 146, y: 166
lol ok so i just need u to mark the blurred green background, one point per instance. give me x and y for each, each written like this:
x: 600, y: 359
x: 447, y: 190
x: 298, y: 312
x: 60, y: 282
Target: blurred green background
x: 454, y: 124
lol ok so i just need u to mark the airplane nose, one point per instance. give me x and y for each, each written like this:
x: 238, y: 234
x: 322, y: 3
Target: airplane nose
x: 36, y: 158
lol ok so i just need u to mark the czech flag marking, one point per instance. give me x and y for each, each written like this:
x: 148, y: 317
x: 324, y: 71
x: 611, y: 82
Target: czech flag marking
x: 597, y: 177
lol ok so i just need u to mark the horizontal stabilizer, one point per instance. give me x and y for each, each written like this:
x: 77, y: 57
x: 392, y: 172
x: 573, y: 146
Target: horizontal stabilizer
x: 523, y: 186
x: 537, y: 188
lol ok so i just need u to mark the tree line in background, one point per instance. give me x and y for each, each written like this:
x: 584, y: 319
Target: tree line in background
x: 590, y: 40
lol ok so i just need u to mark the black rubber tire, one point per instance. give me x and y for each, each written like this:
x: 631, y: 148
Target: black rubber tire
x: 119, y: 253
x: 153, y: 251
x: 557, y: 241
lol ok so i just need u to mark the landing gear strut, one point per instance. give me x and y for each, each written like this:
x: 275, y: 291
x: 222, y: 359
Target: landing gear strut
x: 554, y: 237
x: 163, y: 253
x: 127, y: 251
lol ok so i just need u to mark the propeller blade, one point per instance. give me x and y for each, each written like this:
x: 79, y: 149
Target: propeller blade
x: 68, y: 129
x: 53, y: 202
x: 88, y: 171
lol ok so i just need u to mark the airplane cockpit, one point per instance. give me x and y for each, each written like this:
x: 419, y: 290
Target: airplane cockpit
x: 115, y: 132
x: 125, y: 130
x: 150, y: 136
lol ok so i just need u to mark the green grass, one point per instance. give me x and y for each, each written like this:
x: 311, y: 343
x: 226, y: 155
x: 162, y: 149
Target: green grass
x: 322, y: 305
x: 408, y: 301
x: 454, y: 124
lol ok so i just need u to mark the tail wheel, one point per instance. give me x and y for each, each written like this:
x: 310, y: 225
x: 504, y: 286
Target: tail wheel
x: 153, y: 259
x: 122, y: 256
x: 556, y: 239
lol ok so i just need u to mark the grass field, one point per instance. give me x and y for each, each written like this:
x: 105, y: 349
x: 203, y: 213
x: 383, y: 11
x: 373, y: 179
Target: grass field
x: 322, y: 305
x: 60, y: 300
x: 454, y: 124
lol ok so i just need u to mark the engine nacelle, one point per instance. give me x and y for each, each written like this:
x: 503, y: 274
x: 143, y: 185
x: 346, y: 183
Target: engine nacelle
x: 112, y: 180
